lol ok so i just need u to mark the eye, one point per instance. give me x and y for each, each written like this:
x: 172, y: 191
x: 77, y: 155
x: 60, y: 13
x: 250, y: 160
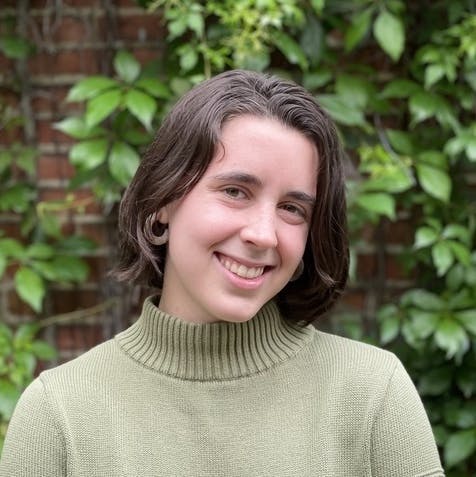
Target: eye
x: 234, y: 192
x: 294, y: 210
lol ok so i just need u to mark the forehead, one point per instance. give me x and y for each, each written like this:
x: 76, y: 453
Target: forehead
x: 266, y: 148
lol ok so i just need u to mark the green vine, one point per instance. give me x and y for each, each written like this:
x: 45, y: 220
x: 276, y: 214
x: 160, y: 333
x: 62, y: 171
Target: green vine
x: 399, y: 78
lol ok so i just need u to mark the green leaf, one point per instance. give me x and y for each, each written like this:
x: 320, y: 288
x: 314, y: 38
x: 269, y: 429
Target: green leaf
x: 50, y: 225
x: 465, y: 381
x: 451, y: 337
x: 459, y: 447
x: 17, y: 198
x: 468, y: 319
x: 390, y: 34
x: 316, y: 79
x: 102, y: 106
x: 126, y: 66
x: 423, y: 323
x: 401, y: 141
x: 3, y: 265
x: 15, y: 47
x: 89, y: 154
x: 389, y: 328
x: 358, y: 28
x: 459, y: 232
x: 424, y: 237
x: 442, y: 257
x: 25, y: 335
x: 40, y: 250
x: 312, y: 40
x: 196, y: 23
x: 154, y: 87
x: 318, y: 5
x: 379, y: 203
x: 340, y: 111
x: 76, y: 127
x: 423, y: 299
x: 76, y: 245
x: 400, y: 88
x: 188, y: 59
x: 434, y: 182
x: 123, y: 162
x: 11, y: 248
x: 90, y: 87
x: 142, y: 106
x: 423, y: 105
x: 460, y: 414
x: 30, y: 287
x: 25, y: 159
x: 70, y: 269
x: 9, y: 396
x: 460, y: 251
x: 290, y: 49
x: 433, y: 74
x: 435, y: 382
x: 43, y: 350
x: 353, y: 91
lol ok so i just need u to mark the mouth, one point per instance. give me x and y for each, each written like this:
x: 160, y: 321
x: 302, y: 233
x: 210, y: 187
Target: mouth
x: 241, y: 270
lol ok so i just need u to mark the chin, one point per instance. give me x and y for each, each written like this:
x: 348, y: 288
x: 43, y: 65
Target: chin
x: 240, y: 314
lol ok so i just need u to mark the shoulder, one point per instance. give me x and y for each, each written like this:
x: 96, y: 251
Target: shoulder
x: 89, y: 369
x: 352, y: 365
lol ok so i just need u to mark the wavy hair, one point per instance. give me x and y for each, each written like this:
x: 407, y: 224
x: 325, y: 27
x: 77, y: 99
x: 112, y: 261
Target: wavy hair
x: 181, y: 152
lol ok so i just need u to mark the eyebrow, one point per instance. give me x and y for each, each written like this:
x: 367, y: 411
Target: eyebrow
x: 250, y: 179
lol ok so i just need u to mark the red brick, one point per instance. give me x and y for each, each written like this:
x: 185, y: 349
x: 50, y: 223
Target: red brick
x: 354, y: 298
x: 400, y: 232
x: 65, y: 301
x: 11, y: 230
x: 140, y: 27
x: 65, y: 62
x: 46, y: 133
x: 98, y: 268
x: 99, y: 233
x: 16, y: 306
x: 367, y: 267
x: 146, y: 55
x: 72, y: 29
x: 395, y: 269
x: 78, y: 337
x: 54, y: 167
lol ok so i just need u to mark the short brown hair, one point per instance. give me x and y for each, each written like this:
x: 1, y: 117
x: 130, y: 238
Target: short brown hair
x: 182, y: 151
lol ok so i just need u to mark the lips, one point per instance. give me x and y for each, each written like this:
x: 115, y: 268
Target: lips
x: 240, y: 269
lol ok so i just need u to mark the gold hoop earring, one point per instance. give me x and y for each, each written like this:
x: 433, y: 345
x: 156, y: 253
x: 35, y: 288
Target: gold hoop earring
x: 298, y: 272
x: 152, y: 236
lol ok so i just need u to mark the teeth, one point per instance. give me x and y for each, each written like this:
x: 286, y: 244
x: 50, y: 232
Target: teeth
x: 240, y: 269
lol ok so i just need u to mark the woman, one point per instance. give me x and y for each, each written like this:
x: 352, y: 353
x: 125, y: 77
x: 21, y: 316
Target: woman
x: 237, y: 216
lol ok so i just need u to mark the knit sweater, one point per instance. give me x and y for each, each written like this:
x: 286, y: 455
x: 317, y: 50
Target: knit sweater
x: 261, y: 398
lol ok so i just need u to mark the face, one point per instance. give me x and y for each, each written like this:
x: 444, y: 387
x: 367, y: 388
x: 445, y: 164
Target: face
x: 238, y: 236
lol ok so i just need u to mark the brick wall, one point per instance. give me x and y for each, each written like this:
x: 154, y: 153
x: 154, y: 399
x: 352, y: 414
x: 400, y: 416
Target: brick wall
x: 74, y: 38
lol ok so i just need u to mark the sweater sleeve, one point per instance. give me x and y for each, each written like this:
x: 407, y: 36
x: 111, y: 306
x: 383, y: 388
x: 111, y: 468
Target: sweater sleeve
x: 33, y: 445
x: 402, y: 441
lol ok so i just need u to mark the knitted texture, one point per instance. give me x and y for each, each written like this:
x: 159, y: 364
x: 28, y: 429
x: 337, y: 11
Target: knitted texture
x: 261, y: 398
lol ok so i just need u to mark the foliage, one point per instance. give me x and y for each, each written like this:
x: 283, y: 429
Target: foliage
x: 18, y: 360
x: 399, y: 78
x: 42, y: 254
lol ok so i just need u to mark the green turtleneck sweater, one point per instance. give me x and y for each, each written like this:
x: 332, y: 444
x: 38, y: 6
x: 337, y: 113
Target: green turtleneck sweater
x: 261, y: 398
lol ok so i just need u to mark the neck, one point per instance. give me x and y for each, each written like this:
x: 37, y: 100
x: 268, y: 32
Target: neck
x: 212, y: 351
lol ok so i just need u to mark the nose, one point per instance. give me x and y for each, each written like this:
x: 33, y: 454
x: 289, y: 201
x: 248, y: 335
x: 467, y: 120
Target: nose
x: 260, y: 230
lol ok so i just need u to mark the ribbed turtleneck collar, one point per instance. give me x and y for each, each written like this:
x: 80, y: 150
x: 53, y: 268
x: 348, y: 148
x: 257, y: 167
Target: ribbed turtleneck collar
x: 212, y: 351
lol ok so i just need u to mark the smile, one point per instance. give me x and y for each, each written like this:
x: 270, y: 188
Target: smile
x: 239, y: 269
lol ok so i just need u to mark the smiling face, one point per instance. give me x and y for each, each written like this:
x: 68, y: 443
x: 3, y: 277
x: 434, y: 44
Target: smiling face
x: 237, y: 237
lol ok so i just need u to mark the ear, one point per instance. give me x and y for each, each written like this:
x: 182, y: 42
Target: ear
x: 162, y: 215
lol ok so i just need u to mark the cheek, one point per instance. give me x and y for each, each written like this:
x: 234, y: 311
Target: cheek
x: 293, y: 243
